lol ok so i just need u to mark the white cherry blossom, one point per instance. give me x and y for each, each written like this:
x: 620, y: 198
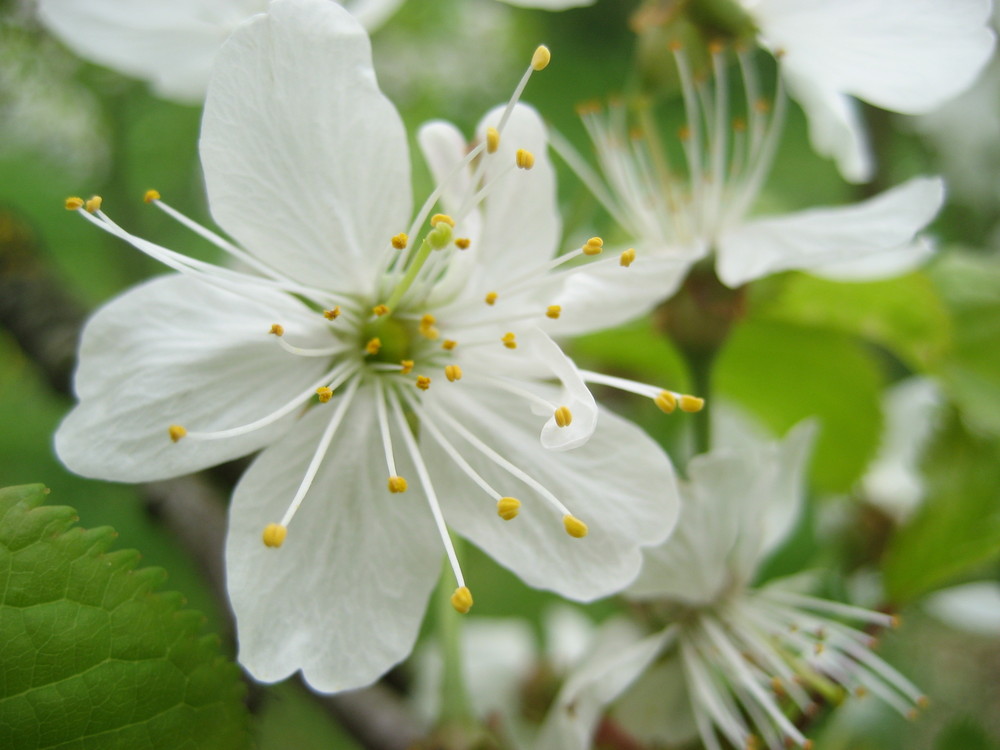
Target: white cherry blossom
x: 391, y: 365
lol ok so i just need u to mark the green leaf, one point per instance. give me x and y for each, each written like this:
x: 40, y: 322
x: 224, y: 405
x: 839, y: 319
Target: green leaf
x: 958, y: 527
x: 92, y: 657
x: 784, y: 373
x: 905, y: 315
x: 971, y: 287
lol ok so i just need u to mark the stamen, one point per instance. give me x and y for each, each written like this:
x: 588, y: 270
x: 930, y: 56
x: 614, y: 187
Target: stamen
x: 277, y: 329
x: 407, y: 366
x: 508, y: 508
x: 553, y: 311
x: 333, y: 313
x: 627, y: 257
x: 423, y: 382
x: 373, y: 346
x: 691, y: 404
x: 400, y: 241
x: 176, y: 432
x: 524, y: 159
x: 461, y: 600
x: 449, y: 344
x: 593, y: 246
x: 492, y: 140
x: 324, y: 394
x: 563, y: 416
x: 274, y: 535
x: 491, y: 298
x: 74, y: 203
x: 666, y: 401
x: 462, y: 243
x: 94, y: 204
x: 509, y: 340
x: 379, y: 310
x: 453, y: 373
x: 575, y: 527
x: 541, y: 57
x: 397, y: 484
x: 151, y: 195
x: 438, y: 218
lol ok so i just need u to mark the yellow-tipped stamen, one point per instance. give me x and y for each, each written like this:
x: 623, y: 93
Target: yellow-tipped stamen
x: 379, y: 310
x: 593, y: 246
x: 373, y: 346
x: 423, y: 382
x: 438, y: 218
x: 333, y: 313
x: 509, y: 340
x: 541, y: 57
x: 492, y: 140
x: 491, y: 298
x: 627, y: 257
x: 151, y: 195
x: 427, y: 320
x: 74, y: 203
x: 274, y: 535
x: 666, y: 401
x: 553, y: 311
x: 563, y: 416
x: 94, y: 204
x: 427, y: 329
x: 400, y: 241
x: 449, y: 344
x: 462, y: 243
x: 508, y: 508
x: 325, y: 394
x: 461, y: 600
x: 407, y: 366
x: 277, y: 329
x: 575, y: 527
x: 397, y: 485
x: 176, y: 432
x: 453, y: 373
x: 524, y: 159
x: 691, y: 403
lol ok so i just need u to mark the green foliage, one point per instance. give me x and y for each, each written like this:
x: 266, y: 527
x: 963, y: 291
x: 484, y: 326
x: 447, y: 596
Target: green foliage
x: 92, y: 657
x: 783, y: 373
x: 959, y: 525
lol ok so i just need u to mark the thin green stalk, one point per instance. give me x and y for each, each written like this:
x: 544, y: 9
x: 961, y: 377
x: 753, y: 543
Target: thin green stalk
x: 455, y: 707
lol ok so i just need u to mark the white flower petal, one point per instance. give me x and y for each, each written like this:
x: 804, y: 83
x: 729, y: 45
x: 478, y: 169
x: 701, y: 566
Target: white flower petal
x: 657, y: 706
x: 444, y: 146
x: 972, y: 607
x: 343, y: 598
x: 371, y: 13
x: 177, y: 351
x: 305, y: 160
x: 568, y: 635
x: 550, y: 4
x: 894, y: 481
x: 843, y: 235
x: 619, y: 483
x: 619, y: 656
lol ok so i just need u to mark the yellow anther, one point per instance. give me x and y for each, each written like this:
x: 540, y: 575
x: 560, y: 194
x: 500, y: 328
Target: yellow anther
x: 913, y: 714
x: 74, y: 203
x: 427, y: 321
x: 176, y: 432
x: 860, y: 691
x: 739, y: 125
x: 400, y: 241
x: 777, y: 686
x: 277, y: 329
x: 380, y: 310
x: 762, y: 105
x: 407, y: 366
x: 819, y: 648
x: 94, y: 204
x: 373, y: 345
x: 423, y: 382
x: 593, y: 246
x: 575, y: 527
x: 462, y: 243
x: 492, y: 140
x: 808, y: 745
x: 491, y: 298
x: 449, y: 344
x: 923, y: 701
x: 541, y: 57
x: 627, y: 257
x: 675, y: 45
x: 325, y: 394
x: 438, y: 218
x: 453, y: 373
x: 508, y: 508
x: 563, y: 416
x: 692, y: 403
x: 274, y: 535
x: 509, y: 340
x: 430, y: 332
x: 666, y: 401
x: 553, y: 311
x: 684, y: 133
x: 333, y: 313
x: 896, y: 621
x: 461, y: 600
x: 151, y: 195
x: 524, y: 159
x: 397, y: 485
